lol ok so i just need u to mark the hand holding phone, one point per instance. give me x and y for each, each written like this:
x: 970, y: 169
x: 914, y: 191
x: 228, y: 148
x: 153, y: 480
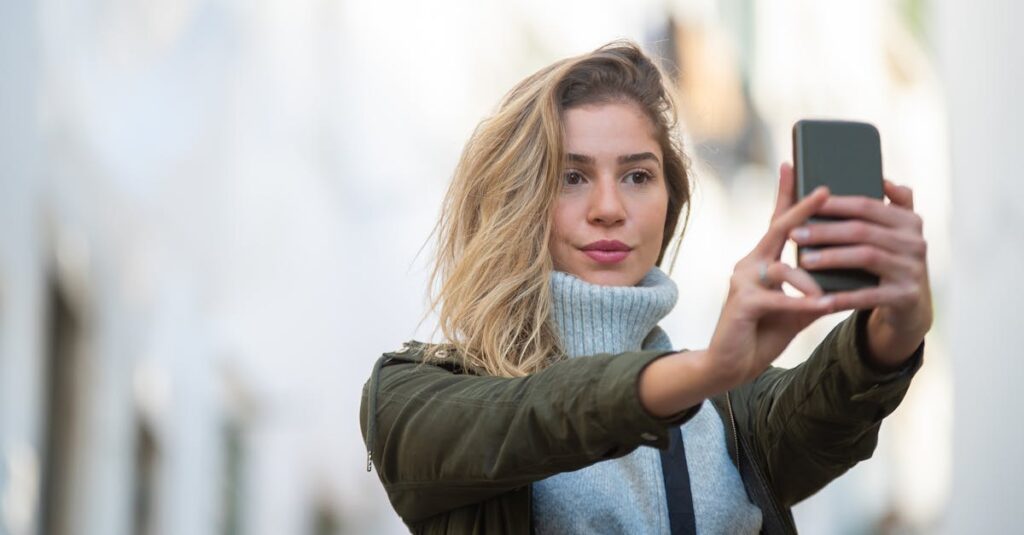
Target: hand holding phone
x: 846, y: 156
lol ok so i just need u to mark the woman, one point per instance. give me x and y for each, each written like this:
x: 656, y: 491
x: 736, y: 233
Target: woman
x: 554, y: 372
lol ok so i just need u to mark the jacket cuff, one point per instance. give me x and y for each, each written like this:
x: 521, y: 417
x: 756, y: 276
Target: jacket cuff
x: 621, y: 381
x: 863, y: 376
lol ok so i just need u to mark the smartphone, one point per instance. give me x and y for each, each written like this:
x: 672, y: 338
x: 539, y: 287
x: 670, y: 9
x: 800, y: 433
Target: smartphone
x: 846, y: 156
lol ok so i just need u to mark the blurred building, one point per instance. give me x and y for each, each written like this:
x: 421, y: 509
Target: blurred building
x: 212, y: 213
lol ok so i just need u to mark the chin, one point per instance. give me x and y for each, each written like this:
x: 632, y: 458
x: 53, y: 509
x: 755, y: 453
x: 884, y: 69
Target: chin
x: 611, y: 277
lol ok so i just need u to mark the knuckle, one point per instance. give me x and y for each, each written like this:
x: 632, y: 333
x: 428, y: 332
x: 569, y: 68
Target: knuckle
x: 917, y: 221
x: 859, y: 231
x: 920, y: 249
x: 871, y: 256
x: 917, y: 271
x: 736, y: 280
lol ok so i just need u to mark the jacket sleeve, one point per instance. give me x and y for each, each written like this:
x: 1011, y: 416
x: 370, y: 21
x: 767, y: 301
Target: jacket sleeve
x: 812, y: 423
x: 443, y: 440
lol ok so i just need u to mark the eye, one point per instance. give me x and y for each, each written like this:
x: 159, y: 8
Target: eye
x: 573, y: 178
x: 639, y: 177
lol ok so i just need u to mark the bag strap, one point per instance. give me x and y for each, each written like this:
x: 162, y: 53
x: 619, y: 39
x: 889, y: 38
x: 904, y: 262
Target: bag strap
x: 682, y: 520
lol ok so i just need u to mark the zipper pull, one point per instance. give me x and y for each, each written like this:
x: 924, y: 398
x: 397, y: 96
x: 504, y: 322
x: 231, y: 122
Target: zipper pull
x: 369, y: 461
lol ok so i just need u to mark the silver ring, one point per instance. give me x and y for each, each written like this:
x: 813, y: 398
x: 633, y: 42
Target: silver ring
x: 763, y: 273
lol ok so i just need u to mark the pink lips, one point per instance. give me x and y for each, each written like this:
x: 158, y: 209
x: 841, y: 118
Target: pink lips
x: 607, y: 251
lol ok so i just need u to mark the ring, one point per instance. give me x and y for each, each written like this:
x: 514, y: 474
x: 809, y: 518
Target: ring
x: 763, y: 273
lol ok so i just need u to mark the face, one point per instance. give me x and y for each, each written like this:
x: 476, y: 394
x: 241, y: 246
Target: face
x: 609, y: 219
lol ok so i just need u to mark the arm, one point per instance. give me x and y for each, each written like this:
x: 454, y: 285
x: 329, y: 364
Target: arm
x: 680, y: 381
x: 812, y: 423
x: 444, y: 440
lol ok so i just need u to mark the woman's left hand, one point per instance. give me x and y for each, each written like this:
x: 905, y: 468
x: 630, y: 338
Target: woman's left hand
x: 885, y: 239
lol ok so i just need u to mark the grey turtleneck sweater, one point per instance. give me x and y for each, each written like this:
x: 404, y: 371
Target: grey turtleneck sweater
x: 627, y: 494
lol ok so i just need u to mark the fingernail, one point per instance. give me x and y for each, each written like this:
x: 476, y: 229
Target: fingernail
x: 826, y: 301
x: 810, y: 258
x: 801, y: 233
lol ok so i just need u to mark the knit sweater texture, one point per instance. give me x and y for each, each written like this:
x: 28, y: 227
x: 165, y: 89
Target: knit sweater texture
x: 627, y: 494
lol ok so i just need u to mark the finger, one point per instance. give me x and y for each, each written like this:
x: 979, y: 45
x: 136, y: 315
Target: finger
x: 772, y: 242
x: 765, y: 302
x: 899, y: 195
x: 803, y: 281
x: 866, y: 257
x: 872, y: 297
x: 861, y: 207
x: 779, y: 272
x: 858, y: 231
x: 784, y: 199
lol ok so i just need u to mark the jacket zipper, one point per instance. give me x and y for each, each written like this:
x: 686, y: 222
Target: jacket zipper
x: 735, y: 434
x: 371, y: 418
x: 762, y: 481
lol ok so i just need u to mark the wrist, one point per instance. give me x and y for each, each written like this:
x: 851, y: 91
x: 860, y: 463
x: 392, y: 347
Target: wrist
x: 676, y: 382
x: 885, y: 346
x: 715, y: 376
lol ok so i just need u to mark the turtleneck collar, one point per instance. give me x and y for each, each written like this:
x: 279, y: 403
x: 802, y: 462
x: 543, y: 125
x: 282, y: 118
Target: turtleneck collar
x: 592, y: 319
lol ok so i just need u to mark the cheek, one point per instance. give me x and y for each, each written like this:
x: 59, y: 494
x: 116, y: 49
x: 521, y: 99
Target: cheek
x: 565, y: 230
x: 561, y: 221
x: 654, y: 220
x: 558, y: 240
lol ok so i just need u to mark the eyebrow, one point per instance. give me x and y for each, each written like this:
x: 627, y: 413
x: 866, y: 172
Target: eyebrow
x: 626, y: 158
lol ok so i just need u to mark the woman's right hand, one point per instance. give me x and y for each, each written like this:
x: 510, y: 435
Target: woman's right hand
x: 758, y: 320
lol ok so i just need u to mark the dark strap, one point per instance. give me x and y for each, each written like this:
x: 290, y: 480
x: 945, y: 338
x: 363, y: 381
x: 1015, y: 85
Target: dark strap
x: 677, y: 485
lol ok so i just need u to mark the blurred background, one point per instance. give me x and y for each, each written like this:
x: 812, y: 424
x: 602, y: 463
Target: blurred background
x: 214, y: 217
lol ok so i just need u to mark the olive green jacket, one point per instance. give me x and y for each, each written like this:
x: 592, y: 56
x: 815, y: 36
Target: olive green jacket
x: 457, y: 450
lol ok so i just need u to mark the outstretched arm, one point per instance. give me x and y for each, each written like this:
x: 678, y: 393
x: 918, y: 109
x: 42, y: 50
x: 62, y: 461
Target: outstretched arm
x: 442, y: 440
x: 812, y: 423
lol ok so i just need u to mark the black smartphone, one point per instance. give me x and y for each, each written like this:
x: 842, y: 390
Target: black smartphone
x: 846, y: 156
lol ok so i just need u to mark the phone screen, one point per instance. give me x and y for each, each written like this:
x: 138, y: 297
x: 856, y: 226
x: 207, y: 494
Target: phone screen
x: 846, y: 156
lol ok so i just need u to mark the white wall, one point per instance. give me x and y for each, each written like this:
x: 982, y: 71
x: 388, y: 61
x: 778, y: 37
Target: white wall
x: 982, y: 63
x: 20, y: 269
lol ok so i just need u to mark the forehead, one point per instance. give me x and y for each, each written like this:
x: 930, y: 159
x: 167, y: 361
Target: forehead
x: 609, y: 130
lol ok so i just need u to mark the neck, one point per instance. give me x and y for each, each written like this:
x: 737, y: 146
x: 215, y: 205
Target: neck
x: 592, y: 319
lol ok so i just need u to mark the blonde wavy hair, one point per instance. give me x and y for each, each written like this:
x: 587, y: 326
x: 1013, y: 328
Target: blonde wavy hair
x: 492, y: 266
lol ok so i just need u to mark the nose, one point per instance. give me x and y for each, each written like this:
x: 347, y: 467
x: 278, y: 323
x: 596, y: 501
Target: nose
x: 606, y: 207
